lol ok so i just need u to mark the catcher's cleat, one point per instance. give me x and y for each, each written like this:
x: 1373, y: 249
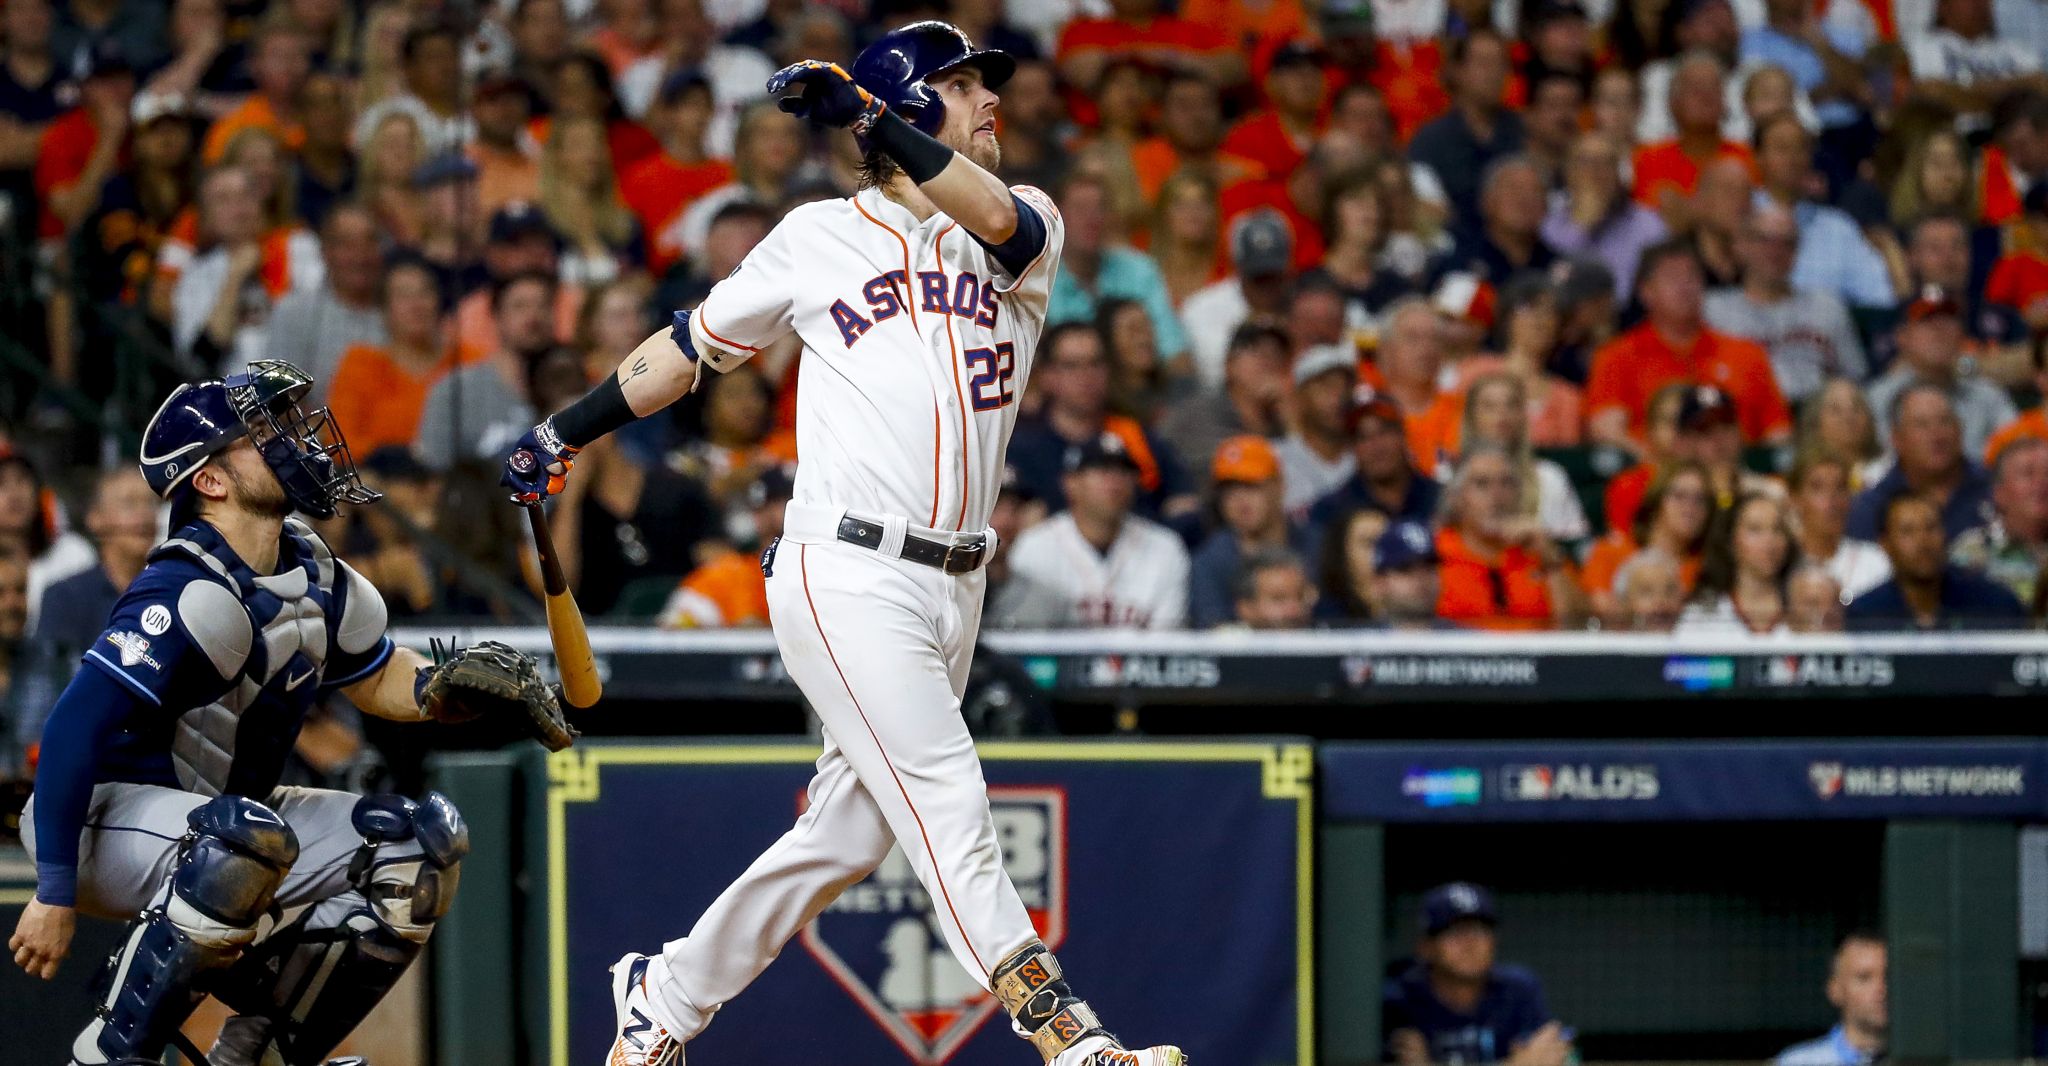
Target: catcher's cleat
x: 1111, y: 1055
x: 642, y: 1041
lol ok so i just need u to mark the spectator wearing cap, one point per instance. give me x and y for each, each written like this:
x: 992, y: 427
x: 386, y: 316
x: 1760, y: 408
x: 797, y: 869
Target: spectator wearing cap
x: 734, y: 72
x: 1190, y: 137
x: 1930, y: 344
x: 1088, y: 45
x: 729, y: 590
x: 222, y: 302
x: 1927, y: 442
x: 1806, y: 332
x: 280, y: 58
x: 1278, y: 136
x: 447, y: 234
x: 1926, y: 590
x: 1272, y: 590
x: 1559, y: 36
x: 2012, y: 547
x: 1710, y: 434
x: 1074, y: 372
x: 1457, y: 1003
x: 1833, y: 255
x: 1596, y: 217
x: 1509, y: 236
x: 1383, y: 477
x: 1252, y: 400
x: 1669, y: 170
x: 579, y: 193
x: 313, y: 327
x: 1261, y: 250
x: 471, y: 409
x: 1499, y: 569
x: 378, y: 391
x: 85, y: 146
x: 431, y: 61
x: 1964, y: 62
x: 1092, y: 268
x: 1315, y: 455
x: 1676, y: 514
x: 130, y: 30
x: 1460, y: 146
x: 2033, y: 424
x: 1252, y: 519
x: 1406, y: 580
x: 1821, y: 493
x: 519, y: 240
x: 1858, y: 988
x: 1096, y: 565
x: 661, y: 187
x: 1673, y: 343
x: 507, y: 160
x: 1364, y: 257
x: 1649, y: 591
x: 1938, y: 256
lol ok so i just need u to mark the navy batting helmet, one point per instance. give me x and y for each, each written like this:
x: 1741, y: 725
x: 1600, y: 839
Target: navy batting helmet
x: 303, y: 448
x: 895, y: 67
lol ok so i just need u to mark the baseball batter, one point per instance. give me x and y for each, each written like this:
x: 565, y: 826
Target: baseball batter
x: 919, y: 302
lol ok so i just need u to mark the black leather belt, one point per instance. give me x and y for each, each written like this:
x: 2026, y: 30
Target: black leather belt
x: 953, y: 559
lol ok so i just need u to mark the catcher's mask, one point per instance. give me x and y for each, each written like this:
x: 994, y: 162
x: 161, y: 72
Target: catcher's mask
x: 304, y: 449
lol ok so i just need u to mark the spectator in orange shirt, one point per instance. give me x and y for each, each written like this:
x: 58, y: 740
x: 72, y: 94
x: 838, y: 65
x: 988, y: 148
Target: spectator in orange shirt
x: 378, y: 392
x: 1625, y: 491
x: 1676, y: 514
x: 1136, y: 29
x: 729, y: 590
x: 507, y: 161
x: 1190, y: 133
x: 1498, y: 569
x: 1409, y: 364
x: 280, y: 57
x: 83, y: 147
x: 1278, y: 136
x: 2033, y: 423
x: 1248, y: 25
x: 662, y: 186
x: 1667, y: 172
x: 2020, y: 279
x: 1674, y: 344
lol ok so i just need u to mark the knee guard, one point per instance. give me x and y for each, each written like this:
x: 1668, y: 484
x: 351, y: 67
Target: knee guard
x: 316, y: 982
x: 231, y: 861
x: 1043, y: 1009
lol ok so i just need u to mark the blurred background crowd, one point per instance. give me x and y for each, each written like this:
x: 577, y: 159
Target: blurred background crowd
x: 1718, y: 316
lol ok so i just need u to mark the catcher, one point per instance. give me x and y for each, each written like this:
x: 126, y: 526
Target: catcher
x: 157, y: 795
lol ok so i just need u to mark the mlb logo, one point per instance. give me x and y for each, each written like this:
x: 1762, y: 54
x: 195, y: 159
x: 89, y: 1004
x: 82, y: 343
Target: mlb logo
x: 1826, y: 778
x: 1527, y: 782
x: 882, y: 941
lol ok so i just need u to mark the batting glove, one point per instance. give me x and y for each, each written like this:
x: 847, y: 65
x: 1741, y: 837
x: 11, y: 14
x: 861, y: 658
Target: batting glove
x: 826, y: 95
x: 538, y: 466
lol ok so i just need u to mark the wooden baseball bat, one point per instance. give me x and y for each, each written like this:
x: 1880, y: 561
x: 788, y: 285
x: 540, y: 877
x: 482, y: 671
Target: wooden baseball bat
x: 573, y: 660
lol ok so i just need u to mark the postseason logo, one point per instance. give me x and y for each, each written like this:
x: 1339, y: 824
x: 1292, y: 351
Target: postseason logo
x: 1457, y: 786
x: 882, y: 941
x: 1536, y: 782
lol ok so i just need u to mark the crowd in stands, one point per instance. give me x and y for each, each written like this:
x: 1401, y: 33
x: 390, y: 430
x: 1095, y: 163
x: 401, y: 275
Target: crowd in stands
x: 1706, y: 316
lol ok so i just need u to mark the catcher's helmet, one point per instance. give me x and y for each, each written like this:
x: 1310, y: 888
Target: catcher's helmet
x: 303, y: 448
x: 895, y: 67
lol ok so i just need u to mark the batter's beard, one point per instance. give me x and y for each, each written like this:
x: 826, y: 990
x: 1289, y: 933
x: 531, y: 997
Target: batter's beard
x: 986, y: 153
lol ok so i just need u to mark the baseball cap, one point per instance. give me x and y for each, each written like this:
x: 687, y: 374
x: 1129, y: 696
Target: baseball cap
x: 1368, y: 402
x: 1296, y: 52
x: 1582, y: 281
x: 1322, y: 359
x: 774, y: 483
x: 1466, y: 296
x: 1105, y: 449
x: 518, y: 219
x: 1260, y: 243
x: 149, y: 107
x: 1402, y: 545
x: 1447, y: 905
x: 1705, y: 406
x: 448, y: 166
x: 1245, y: 458
x: 1932, y: 300
x: 682, y: 81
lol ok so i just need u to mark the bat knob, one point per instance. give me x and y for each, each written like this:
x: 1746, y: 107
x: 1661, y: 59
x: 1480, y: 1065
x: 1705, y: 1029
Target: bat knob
x: 523, y: 461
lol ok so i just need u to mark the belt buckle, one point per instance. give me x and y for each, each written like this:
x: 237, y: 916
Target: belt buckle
x: 946, y: 560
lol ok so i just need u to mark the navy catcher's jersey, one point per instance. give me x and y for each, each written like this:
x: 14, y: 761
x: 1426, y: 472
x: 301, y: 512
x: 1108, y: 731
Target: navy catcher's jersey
x: 230, y: 662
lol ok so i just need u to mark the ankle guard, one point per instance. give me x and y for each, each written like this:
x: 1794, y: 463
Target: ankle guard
x: 1030, y: 985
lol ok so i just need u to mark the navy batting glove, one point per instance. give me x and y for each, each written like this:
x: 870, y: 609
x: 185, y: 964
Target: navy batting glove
x: 538, y: 466
x: 826, y: 95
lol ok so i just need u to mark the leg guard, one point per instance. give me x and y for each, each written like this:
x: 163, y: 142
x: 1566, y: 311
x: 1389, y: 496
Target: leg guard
x: 231, y: 861
x: 1030, y: 985
x: 317, y: 981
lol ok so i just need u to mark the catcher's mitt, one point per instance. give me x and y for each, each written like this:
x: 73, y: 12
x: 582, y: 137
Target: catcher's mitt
x: 492, y: 680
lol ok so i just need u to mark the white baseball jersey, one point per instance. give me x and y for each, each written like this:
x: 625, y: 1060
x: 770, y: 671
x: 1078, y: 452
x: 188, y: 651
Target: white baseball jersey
x: 917, y: 344
x: 1058, y: 579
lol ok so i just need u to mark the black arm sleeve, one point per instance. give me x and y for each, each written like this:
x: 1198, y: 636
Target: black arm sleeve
x: 600, y: 411
x: 920, y: 156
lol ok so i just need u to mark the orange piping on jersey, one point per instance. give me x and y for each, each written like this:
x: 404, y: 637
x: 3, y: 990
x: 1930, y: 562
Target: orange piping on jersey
x: 958, y: 397
x: 735, y: 345
x: 910, y: 305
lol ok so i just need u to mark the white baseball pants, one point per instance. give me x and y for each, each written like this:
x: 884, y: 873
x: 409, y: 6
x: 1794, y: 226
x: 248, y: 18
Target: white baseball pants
x: 881, y: 649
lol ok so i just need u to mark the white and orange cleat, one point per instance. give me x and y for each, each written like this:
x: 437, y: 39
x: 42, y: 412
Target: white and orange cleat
x: 1103, y: 1052
x: 642, y: 1041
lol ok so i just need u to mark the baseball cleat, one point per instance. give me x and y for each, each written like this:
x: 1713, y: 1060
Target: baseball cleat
x: 1111, y: 1055
x: 642, y: 1041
